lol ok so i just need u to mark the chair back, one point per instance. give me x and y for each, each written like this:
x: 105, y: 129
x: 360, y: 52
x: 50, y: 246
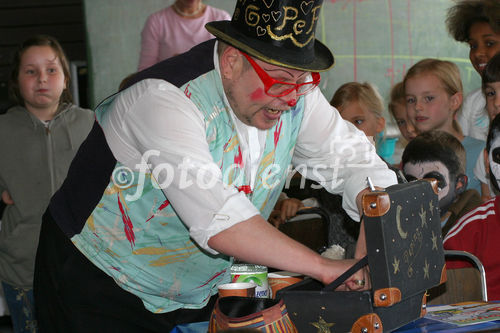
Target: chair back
x: 311, y: 231
x: 463, y: 284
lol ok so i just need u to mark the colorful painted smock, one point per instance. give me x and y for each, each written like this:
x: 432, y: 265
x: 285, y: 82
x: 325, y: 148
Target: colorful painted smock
x: 145, y: 246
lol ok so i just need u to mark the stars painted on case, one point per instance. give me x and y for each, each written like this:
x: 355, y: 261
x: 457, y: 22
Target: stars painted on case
x: 434, y: 241
x: 423, y: 216
x: 395, y: 265
x: 426, y: 269
x: 322, y: 325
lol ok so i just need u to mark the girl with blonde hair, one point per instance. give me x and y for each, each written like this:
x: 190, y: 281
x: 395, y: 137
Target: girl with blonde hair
x: 362, y: 105
x: 434, y: 95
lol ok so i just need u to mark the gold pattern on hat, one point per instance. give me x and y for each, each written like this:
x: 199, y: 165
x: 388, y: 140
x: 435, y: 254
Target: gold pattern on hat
x: 276, y: 14
x: 306, y: 7
x: 289, y: 36
x: 266, y: 3
x: 252, y: 15
x: 252, y: 19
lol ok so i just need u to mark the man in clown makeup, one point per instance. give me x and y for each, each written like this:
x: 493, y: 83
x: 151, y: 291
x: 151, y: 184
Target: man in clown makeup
x: 478, y: 231
x: 439, y: 155
x: 182, y: 169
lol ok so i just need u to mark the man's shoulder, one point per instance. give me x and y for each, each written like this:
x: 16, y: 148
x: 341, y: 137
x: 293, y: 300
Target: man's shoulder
x: 179, y: 69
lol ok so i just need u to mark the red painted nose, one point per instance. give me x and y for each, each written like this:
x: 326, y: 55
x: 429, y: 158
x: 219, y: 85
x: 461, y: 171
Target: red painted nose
x: 292, y: 102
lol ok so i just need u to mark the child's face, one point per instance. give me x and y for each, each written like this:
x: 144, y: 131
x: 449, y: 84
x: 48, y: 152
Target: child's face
x: 428, y: 104
x: 493, y: 160
x: 438, y: 171
x: 364, y: 119
x: 41, y: 78
x: 492, y: 94
x: 405, y: 126
x: 484, y: 44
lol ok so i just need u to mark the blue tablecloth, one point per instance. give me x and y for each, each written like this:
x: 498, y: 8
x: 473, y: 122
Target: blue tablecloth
x: 422, y: 325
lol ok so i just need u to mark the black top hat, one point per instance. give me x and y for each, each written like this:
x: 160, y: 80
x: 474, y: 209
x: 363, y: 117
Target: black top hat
x: 280, y: 32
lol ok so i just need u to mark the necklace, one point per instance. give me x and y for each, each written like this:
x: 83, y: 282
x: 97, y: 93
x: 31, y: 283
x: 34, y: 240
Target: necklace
x: 184, y: 14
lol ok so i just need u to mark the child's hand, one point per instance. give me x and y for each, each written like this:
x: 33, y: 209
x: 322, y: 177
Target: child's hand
x: 289, y: 208
x: 285, y: 210
x: 6, y: 198
x: 275, y: 218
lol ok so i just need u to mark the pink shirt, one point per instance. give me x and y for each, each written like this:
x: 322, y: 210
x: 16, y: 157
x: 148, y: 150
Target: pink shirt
x: 167, y: 34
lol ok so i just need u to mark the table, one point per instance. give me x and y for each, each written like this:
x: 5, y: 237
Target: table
x: 462, y: 312
x: 422, y: 325
x: 427, y: 325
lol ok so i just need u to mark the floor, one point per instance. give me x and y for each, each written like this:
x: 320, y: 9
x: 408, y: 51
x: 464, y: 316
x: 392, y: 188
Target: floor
x: 5, y: 325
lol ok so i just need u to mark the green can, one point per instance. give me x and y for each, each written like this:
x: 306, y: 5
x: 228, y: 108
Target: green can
x: 252, y: 273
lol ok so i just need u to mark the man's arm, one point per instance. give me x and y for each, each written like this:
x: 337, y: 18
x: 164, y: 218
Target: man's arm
x: 257, y: 241
x: 336, y: 154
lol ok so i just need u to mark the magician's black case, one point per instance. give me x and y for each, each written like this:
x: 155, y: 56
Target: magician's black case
x: 405, y: 257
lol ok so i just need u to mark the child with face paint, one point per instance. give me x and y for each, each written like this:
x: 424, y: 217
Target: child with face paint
x: 491, y: 91
x: 433, y: 90
x: 478, y: 231
x: 439, y: 155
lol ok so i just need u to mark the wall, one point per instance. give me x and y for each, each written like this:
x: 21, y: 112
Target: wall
x: 373, y: 40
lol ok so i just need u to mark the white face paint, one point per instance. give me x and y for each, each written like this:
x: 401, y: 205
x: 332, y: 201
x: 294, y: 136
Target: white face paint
x: 494, y: 158
x: 437, y: 170
x: 434, y: 169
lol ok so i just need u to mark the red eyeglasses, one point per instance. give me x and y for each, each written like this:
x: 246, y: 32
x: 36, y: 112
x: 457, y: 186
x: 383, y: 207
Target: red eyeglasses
x: 277, y: 88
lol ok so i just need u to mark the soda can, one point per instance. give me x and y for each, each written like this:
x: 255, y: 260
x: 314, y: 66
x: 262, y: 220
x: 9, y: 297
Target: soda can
x: 252, y: 273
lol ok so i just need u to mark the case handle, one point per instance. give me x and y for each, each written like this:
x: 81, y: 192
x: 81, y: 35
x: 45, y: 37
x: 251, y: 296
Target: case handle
x: 354, y: 268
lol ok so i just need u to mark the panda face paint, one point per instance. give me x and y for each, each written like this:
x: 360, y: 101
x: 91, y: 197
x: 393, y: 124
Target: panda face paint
x: 438, y: 171
x: 494, y: 160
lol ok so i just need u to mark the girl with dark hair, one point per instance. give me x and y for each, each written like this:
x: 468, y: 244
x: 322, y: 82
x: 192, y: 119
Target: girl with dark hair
x: 477, y: 23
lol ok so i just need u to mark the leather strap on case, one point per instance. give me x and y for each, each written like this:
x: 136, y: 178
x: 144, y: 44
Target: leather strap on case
x: 434, y: 184
x: 354, y: 268
x: 369, y: 323
x: 376, y: 203
x: 444, y: 277
x: 424, y: 305
x: 386, y: 297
